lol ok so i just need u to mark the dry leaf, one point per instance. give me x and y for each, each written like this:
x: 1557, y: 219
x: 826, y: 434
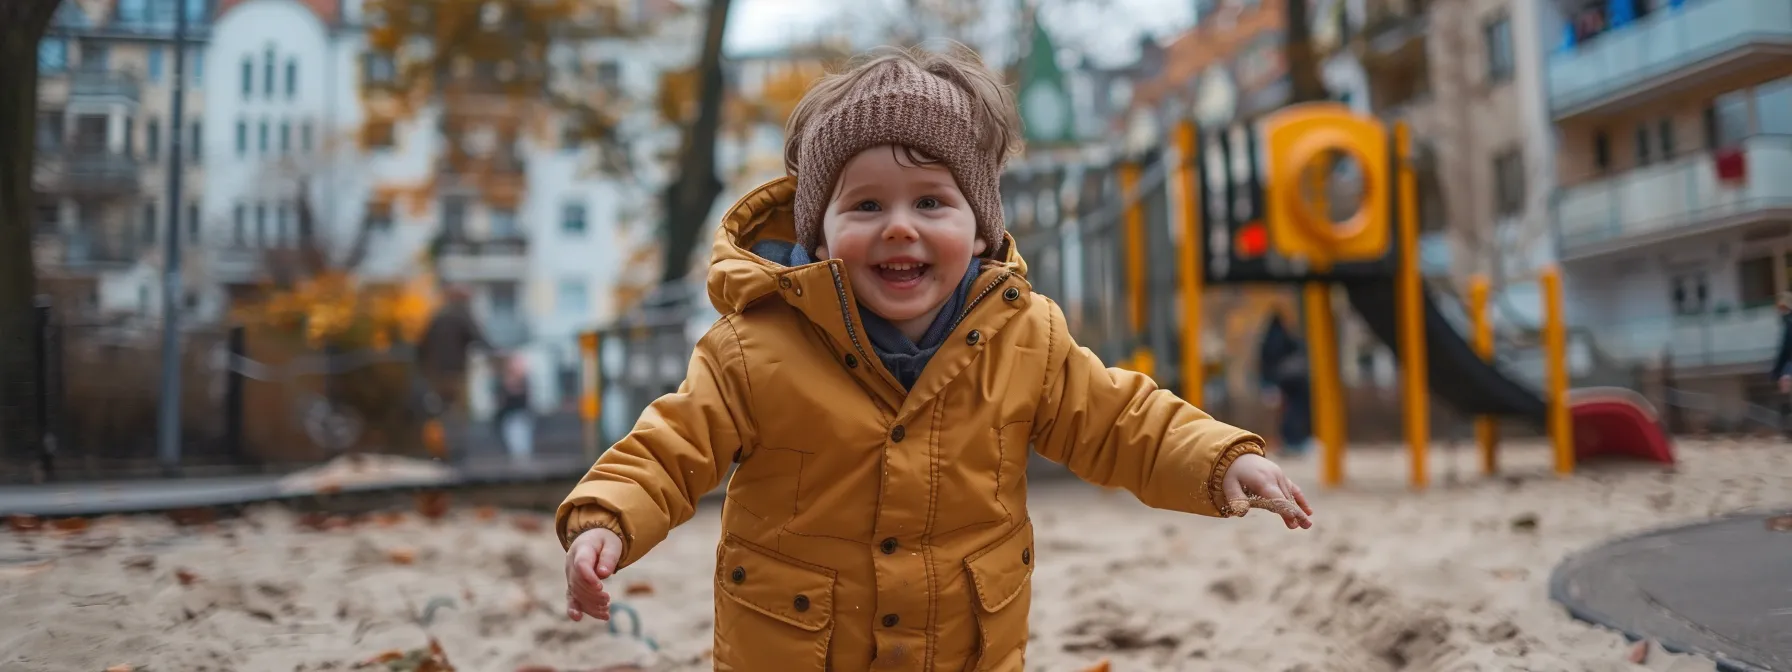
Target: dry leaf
x: 639, y: 588
x: 1098, y: 667
x: 69, y: 524
x: 389, y: 518
x: 20, y: 522
x: 530, y: 524
x: 485, y: 513
x: 185, y: 577
x: 432, y: 504
x: 537, y: 668
x: 401, y: 556
x: 1639, y: 653
x: 383, y: 657
x: 1780, y: 523
x: 122, y: 667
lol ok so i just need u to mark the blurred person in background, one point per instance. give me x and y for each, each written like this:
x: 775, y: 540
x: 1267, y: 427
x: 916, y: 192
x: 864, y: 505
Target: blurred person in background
x: 442, y: 358
x: 1782, y: 362
x: 1282, y: 367
x: 516, y: 423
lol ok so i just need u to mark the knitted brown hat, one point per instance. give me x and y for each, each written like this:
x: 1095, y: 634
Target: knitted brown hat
x: 898, y: 104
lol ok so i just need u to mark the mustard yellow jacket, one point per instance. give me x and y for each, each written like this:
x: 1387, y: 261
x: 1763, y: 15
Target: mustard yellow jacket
x: 868, y: 527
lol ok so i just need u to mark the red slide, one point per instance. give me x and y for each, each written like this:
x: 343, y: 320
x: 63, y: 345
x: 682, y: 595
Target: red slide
x: 1613, y: 421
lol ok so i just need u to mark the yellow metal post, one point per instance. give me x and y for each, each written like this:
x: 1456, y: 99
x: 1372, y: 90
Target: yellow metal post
x: 1189, y: 254
x: 1327, y: 387
x: 1410, y: 308
x: 591, y: 393
x: 1555, y: 345
x: 1134, y: 220
x: 1487, y: 430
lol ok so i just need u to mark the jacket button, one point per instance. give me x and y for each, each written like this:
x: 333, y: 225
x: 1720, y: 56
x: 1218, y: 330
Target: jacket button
x: 973, y: 337
x: 1011, y: 293
x: 739, y: 575
x: 897, y: 432
x: 889, y: 546
x: 852, y: 362
x: 798, y: 291
x: 784, y: 283
x: 1026, y: 556
x: 890, y: 620
x: 802, y: 603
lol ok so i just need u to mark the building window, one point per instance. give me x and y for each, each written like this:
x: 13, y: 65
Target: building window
x: 248, y: 77
x: 242, y: 138
x: 267, y: 73
x: 379, y: 216
x: 1508, y: 186
x: 95, y: 57
x: 573, y: 300
x: 149, y: 222
x: 1726, y: 120
x: 239, y: 220
x: 378, y: 69
x: 197, y: 143
x: 305, y: 137
x: 155, y: 64
x: 292, y: 78
x: 1500, y: 64
x: 285, y: 138
x: 193, y: 223
x: 572, y: 220
x: 1754, y: 282
x: 196, y: 58
x: 454, y: 217
x: 1665, y: 138
x: 503, y: 300
x: 504, y: 224
x: 1773, y: 107
x: 282, y: 225
x: 1642, y: 145
x: 1602, y: 151
x: 261, y: 225
x: 1690, y: 293
x: 152, y: 138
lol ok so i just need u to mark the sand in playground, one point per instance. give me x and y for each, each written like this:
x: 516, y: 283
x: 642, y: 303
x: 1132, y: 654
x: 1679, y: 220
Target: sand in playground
x: 1450, y: 580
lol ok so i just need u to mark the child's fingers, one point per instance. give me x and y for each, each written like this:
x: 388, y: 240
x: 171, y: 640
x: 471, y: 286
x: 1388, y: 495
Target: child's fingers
x: 584, y: 564
x: 1295, y: 493
x: 607, y: 557
x: 573, y: 610
x: 1235, y: 497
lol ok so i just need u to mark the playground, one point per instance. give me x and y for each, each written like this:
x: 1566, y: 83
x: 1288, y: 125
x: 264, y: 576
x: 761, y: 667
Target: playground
x: 1494, y: 536
x: 1451, y: 579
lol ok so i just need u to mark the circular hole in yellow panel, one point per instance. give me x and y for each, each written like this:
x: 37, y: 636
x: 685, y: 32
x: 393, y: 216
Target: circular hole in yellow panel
x: 1333, y: 188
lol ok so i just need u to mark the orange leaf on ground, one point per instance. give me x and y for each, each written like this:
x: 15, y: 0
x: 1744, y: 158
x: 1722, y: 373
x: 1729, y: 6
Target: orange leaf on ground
x: 122, y: 667
x: 530, y: 524
x: 485, y: 513
x: 1639, y: 653
x: 432, y: 504
x: 401, y: 556
x: 185, y: 577
x: 383, y: 657
x: 69, y: 524
x: 20, y: 522
x: 1098, y: 667
x: 639, y: 588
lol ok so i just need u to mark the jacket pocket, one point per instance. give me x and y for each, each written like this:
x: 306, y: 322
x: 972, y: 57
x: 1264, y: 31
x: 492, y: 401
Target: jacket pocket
x: 1001, y: 576
x: 772, y: 611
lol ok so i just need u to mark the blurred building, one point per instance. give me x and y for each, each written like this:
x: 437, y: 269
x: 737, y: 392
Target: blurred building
x: 1673, y: 122
x: 103, y: 136
x: 505, y: 192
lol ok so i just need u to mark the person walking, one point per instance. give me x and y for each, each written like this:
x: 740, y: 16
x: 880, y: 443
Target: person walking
x: 516, y: 423
x: 1282, y: 367
x: 442, y: 357
x: 1782, y: 361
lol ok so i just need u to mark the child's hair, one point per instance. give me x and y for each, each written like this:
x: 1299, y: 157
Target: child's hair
x: 997, y: 118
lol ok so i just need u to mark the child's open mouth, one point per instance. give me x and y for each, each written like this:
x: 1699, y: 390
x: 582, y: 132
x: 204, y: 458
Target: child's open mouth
x: 902, y: 274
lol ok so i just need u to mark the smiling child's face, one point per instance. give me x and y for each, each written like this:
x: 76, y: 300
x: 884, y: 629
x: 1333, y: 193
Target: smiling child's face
x: 905, y: 232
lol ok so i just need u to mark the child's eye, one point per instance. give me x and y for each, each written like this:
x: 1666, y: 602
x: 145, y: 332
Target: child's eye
x: 867, y: 206
x: 928, y: 203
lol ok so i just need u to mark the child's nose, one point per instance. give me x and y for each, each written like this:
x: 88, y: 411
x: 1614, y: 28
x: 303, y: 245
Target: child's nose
x: 901, y: 227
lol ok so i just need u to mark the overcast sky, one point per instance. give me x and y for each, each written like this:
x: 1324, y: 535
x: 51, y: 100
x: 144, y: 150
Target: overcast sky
x: 1107, y: 34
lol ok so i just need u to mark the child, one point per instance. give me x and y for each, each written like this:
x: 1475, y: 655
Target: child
x: 880, y: 372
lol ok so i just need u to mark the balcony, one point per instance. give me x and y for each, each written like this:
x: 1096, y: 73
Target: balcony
x: 1667, y: 52
x: 506, y: 332
x: 87, y: 249
x: 465, y: 259
x: 88, y: 172
x: 1671, y: 200
x: 103, y: 86
x: 1744, y: 340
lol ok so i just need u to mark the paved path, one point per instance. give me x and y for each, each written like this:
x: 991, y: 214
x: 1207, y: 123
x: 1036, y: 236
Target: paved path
x: 1720, y: 588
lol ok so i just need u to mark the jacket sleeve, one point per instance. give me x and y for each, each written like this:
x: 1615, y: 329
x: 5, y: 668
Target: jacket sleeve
x: 1115, y: 428
x: 679, y: 450
x: 1784, y: 356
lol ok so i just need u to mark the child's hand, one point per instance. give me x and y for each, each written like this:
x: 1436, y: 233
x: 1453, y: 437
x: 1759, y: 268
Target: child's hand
x: 1255, y: 482
x: 590, y: 559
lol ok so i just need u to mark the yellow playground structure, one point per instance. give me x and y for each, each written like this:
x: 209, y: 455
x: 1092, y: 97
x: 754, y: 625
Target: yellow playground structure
x: 1130, y: 245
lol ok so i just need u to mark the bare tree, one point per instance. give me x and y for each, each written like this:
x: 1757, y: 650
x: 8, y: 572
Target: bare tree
x: 22, y: 25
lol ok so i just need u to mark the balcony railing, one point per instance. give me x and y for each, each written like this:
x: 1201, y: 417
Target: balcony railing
x: 1679, y: 197
x: 78, y: 171
x: 105, y: 84
x: 88, y: 248
x: 504, y: 258
x: 1650, y: 50
x: 1718, y: 339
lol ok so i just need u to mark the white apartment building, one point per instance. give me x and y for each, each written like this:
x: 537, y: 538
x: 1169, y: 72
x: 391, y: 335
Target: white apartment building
x: 1673, y: 121
x: 539, y: 234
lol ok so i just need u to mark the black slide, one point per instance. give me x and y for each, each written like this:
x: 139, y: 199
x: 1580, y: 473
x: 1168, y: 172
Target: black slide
x: 1458, y: 375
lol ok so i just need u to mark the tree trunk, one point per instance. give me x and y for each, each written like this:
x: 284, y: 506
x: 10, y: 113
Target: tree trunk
x: 1305, y: 83
x: 22, y: 24
x: 690, y: 198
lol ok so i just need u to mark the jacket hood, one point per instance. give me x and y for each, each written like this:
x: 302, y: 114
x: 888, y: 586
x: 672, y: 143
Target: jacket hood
x: 738, y: 278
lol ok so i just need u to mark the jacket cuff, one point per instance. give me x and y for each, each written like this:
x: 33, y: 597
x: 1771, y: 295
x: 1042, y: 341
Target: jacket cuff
x: 1216, y: 481
x: 590, y: 517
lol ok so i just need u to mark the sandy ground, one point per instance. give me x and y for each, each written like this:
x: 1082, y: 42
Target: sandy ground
x: 1451, y: 580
